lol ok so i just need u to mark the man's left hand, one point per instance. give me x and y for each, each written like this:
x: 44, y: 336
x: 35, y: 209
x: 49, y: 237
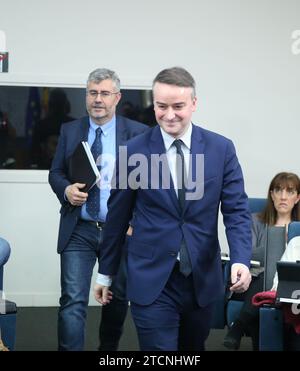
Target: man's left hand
x: 102, y: 294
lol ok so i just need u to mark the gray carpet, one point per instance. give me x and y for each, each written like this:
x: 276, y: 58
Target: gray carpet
x: 36, y: 331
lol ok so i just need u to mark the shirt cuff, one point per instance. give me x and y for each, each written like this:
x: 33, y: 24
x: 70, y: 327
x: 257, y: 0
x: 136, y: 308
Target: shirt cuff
x: 240, y: 264
x: 103, y: 280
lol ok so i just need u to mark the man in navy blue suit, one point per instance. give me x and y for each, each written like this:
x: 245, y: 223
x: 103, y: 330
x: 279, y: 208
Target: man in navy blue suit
x: 174, y: 263
x: 83, y: 214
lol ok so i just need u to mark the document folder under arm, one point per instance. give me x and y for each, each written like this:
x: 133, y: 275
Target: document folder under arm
x: 82, y: 167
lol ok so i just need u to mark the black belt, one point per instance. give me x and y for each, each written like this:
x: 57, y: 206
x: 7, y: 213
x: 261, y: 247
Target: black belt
x: 99, y: 225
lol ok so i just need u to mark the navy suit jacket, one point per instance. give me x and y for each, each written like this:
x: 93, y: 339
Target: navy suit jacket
x: 159, y: 225
x: 71, y: 134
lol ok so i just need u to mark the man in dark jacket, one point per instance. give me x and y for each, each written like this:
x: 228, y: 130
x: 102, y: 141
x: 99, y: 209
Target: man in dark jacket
x: 83, y: 213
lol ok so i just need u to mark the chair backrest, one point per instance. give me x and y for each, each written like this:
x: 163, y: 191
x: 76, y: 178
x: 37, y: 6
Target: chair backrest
x: 293, y: 230
x: 257, y: 205
x: 275, y: 246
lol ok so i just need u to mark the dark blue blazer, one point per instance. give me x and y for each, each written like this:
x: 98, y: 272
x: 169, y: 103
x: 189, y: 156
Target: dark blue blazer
x: 71, y: 134
x: 159, y: 226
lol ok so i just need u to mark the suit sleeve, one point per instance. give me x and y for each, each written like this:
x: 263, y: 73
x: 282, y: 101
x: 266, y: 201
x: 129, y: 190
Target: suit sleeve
x: 58, y: 173
x: 235, y: 209
x: 120, y: 210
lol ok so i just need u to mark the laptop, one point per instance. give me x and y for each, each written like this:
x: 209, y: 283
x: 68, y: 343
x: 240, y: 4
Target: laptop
x: 288, y: 290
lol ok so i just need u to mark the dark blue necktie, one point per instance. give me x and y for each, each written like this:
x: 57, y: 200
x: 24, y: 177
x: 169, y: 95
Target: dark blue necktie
x: 185, y: 265
x: 93, y: 201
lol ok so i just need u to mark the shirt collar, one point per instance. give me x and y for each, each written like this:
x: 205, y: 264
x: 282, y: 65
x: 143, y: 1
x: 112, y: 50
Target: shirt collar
x: 186, y: 138
x: 106, y: 128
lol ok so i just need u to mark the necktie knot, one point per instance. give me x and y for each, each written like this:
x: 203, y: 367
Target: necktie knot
x: 178, y: 143
x: 181, y: 174
x: 98, y: 133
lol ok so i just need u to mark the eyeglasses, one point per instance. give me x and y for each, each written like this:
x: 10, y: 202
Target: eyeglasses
x: 289, y: 191
x: 103, y: 93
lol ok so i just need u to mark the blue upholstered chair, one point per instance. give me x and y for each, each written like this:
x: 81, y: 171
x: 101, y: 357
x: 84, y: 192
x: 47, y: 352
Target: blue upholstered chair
x: 256, y: 205
x: 7, y: 308
x: 294, y: 230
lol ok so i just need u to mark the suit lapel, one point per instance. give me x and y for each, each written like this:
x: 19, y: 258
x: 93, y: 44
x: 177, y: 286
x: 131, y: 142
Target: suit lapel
x: 157, y: 146
x: 84, y: 129
x: 121, y: 132
x: 75, y: 136
x: 197, y: 147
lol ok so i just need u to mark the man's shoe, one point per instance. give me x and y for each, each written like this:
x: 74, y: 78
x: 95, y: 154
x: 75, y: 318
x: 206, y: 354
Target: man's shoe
x: 233, y: 338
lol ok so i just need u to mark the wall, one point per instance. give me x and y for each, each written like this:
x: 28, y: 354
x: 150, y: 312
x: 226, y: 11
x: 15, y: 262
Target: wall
x: 241, y: 54
x: 29, y: 221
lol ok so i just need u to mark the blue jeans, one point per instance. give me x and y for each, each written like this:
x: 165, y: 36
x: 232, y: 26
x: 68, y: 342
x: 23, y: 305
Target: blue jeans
x: 77, y: 262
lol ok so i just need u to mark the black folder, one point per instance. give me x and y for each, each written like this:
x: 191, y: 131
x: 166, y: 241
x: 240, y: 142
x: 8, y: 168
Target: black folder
x: 82, y: 167
x: 288, y: 289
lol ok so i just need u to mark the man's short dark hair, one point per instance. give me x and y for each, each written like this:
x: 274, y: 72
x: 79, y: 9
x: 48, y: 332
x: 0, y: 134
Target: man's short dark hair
x: 177, y: 76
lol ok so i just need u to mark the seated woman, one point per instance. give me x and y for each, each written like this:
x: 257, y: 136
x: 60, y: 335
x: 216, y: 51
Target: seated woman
x: 282, y: 208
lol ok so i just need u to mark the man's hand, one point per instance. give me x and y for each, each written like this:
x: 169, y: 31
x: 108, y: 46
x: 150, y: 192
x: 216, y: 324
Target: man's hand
x: 74, y: 195
x: 129, y: 231
x: 102, y: 294
x: 240, y: 278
